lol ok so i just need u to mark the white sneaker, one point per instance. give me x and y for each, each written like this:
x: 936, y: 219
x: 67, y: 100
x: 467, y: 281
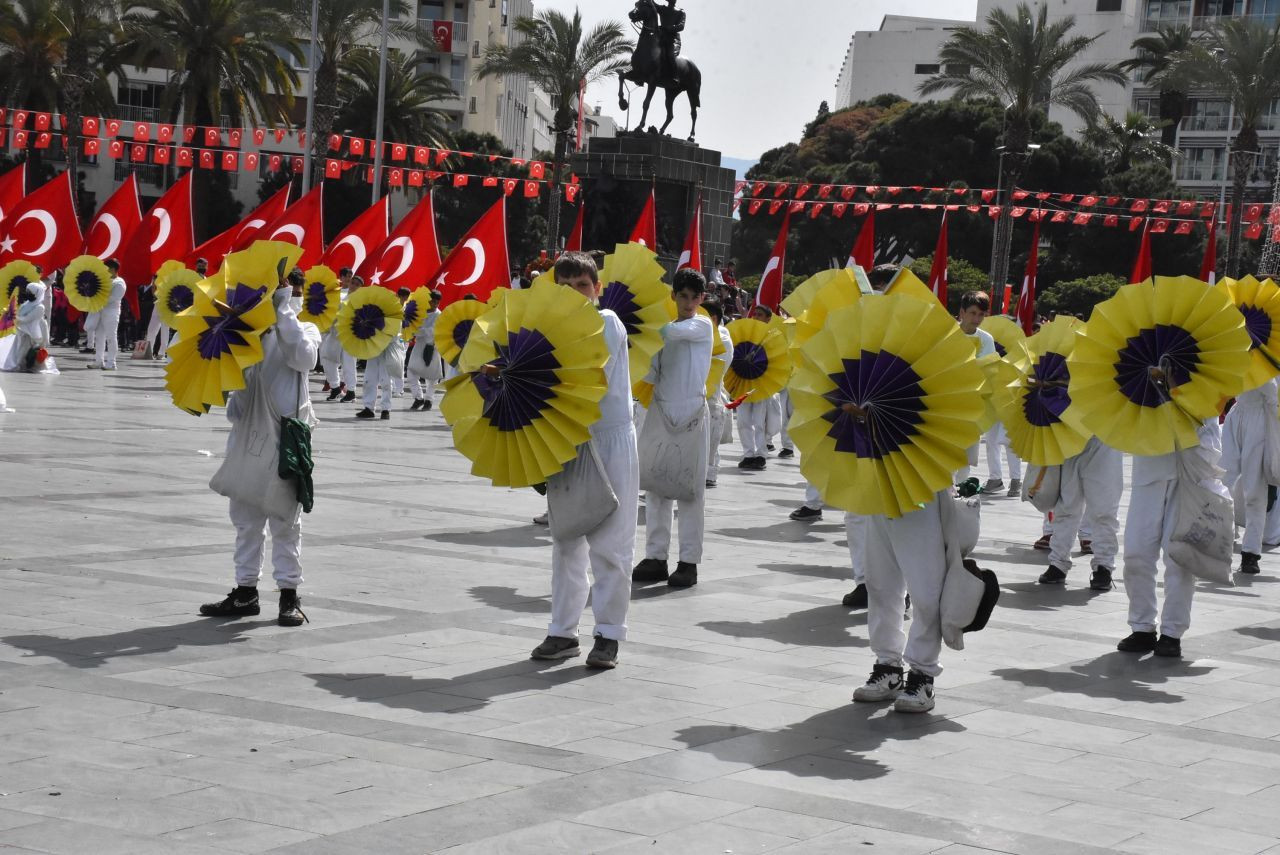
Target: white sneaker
x: 884, y: 684
x: 917, y: 697
x: 540, y: 519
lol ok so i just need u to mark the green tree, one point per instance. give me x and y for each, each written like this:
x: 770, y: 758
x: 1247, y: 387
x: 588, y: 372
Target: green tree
x: 1078, y: 296
x: 558, y: 57
x: 1155, y: 59
x: 1021, y: 60
x: 1124, y: 143
x: 1240, y: 60
x: 962, y: 277
x: 412, y: 99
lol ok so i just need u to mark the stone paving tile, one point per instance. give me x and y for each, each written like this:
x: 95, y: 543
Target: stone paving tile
x: 407, y: 717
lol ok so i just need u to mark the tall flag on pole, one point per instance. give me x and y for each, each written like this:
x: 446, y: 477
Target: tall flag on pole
x: 864, y: 249
x: 574, y: 243
x: 1142, y: 264
x: 1027, y: 299
x: 242, y: 233
x: 410, y: 253
x: 166, y: 233
x: 770, y: 291
x: 362, y: 236
x: 13, y: 186
x: 691, y: 256
x: 479, y: 263
x: 1209, y: 266
x: 302, y: 224
x: 645, y: 232
x: 114, y: 225
x: 43, y: 228
x: 938, y: 272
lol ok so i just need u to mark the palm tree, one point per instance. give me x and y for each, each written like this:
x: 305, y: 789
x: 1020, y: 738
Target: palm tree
x: 1124, y: 143
x: 342, y: 25
x: 558, y: 57
x: 1155, y: 59
x: 412, y: 97
x: 1023, y: 61
x: 1239, y: 60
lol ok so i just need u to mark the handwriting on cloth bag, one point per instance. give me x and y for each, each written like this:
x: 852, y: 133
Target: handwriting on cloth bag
x: 673, y: 457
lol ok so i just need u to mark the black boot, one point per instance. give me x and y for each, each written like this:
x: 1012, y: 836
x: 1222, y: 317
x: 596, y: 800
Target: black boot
x: 1249, y: 563
x: 335, y: 394
x: 291, y: 613
x: 650, y: 570
x: 686, y: 575
x: 241, y: 602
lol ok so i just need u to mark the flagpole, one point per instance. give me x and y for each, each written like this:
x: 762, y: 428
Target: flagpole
x: 311, y: 98
x: 382, y: 103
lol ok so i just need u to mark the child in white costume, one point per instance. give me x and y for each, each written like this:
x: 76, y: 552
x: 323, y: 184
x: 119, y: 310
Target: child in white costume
x: 1244, y: 434
x: 425, y: 365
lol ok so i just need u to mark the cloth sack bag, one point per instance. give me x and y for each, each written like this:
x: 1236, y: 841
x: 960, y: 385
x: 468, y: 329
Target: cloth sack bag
x: 969, y: 593
x: 331, y: 348
x: 579, y: 497
x: 1042, y: 487
x: 1271, y: 453
x: 673, y: 457
x: 1202, y: 539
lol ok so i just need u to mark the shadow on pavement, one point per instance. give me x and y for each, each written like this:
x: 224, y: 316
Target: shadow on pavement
x: 94, y: 650
x: 523, y: 536
x: 1124, y: 676
x: 783, y: 532
x: 507, y: 599
x: 1034, y: 597
x: 821, y: 626
x: 816, y: 571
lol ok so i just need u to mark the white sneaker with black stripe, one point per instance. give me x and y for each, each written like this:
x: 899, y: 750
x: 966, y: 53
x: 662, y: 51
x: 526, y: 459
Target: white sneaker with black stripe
x: 884, y: 684
x: 917, y: 697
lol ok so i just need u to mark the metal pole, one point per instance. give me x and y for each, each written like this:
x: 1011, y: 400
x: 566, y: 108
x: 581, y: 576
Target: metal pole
x: 311, y: 97
x: 995, y: 233
x: 382, y: 103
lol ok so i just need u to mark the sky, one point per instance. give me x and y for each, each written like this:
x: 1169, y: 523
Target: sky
x: 766, y: 64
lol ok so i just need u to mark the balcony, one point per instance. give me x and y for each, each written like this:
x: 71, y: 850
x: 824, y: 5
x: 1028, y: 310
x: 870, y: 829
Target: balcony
x: 1200, y: 172
x: 1209, y: 124
x: 461, y: 40
x: 1200, y: 23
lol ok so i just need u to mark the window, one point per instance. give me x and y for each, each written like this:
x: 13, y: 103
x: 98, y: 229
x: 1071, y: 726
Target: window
x: 1108, y: 5
x: 958, y: 68
x: 139, y: 102
x: 148, y: 173
x: 928, y: 68
x: 1202, y: 163
x: 475, y: 49
x: 471, y: 105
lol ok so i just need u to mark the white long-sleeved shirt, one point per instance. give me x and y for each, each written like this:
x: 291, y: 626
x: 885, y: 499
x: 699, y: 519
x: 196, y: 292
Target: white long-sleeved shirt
x: 615, y: 408
x: 986, y: 344
x: 679, y: 370
x: 716, y: 388
x: 289, y: 352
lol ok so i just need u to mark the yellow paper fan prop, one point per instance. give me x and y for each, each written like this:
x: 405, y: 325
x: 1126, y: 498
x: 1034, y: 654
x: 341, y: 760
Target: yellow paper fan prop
x: 760, y: 364
x: 9, y: 317
x: 1039, y: 413
x: 799, y: 300
x: 416, y: 309
x: 16, y: 276
x: 455, y: 324
x: 1259, y: 303
x: 1011, y: 342
x: 907, y: 284
x: 171, y: 266
x: 321, y: 297
x: 886, y: 405
x: 87, y: 283
x: 1156, y: 362
x: 368, y: 321
x: 837, y: 292
x: 631, y: 287
x: 532, y: 388
x: 175, y: 293
x: 997, y: 374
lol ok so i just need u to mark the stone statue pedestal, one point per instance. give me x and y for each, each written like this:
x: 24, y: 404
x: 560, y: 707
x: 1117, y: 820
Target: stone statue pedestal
x: 617, y: 174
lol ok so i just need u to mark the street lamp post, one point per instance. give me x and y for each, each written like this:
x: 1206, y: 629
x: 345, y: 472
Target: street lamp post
x: 1003, y: 233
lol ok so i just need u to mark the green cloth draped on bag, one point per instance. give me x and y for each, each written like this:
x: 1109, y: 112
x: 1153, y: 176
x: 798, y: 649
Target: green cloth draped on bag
x: 295, y: 459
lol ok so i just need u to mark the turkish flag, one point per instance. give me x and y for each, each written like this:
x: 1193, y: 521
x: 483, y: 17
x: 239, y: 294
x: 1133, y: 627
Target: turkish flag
x: 442, y: 32
x: 251, y: 161
x: 479, y: 264
x: 114, y: 225
x: 259, y: 136
x: 645, y: 232
x: 302, y: 224
x: 162, y: 155
x: 212, y: 136
x: 366, y: 232
x: 1209, y: 263
x: 574, y: 244
x: 938, y: 272
x: 234, y: 136
x: 42, y: 228
x: 770, y: 291
x: 398, y: 151
x: 141, y: 132
x: 89, y: 126
x: 166, y: 233
x: 864, y: 249
x: 356, y: 146
x: 691, y: 256
x: 165, y: 134
x: 184, y: 156
x: 206, y: 159
x: 242, y: 233
x: 230, y: 161
x: 13, y: 186
x: 1142, y: 265
x: 410, y: 254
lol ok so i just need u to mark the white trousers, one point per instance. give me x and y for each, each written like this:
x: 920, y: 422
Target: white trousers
x: 1244, y: 435
x: 107, y: 342
x: 251, y: 540
x: 375, y: 376
x: 812, y: 498
x: 608, y: 551
x: 155, y: 327
x: 347, y: 364
x: 905, y: 555
x: 1092, y: 481
x: 786, y: 408
x: 751, y: 428
x: 1146, y: 533
x: 716, y: 415
x: 855, y: 528
x: 1272, y: 535
x: 997, y: 441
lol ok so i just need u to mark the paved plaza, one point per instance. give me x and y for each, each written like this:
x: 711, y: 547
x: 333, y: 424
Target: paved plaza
x: 408, y: 718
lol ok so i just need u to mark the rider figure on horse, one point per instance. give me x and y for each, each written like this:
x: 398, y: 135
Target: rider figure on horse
x: 670, y: 26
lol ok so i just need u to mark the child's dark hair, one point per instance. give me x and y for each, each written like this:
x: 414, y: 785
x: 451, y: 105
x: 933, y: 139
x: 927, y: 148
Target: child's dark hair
x: 975, y: 298
x: 571, y: 265
x: 688, y: 280
x: 714, y: 309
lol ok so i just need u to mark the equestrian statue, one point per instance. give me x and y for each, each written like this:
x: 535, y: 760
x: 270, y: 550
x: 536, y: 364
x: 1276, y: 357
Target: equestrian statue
x: 657, y: 63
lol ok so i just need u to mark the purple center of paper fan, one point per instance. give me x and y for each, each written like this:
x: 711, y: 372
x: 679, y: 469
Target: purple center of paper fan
x: 750, y: 362
x: 367, y: 322
x: 410, y: 313
x: 1258, y: 323
x: 1044, y: 405
x: 526, y: 384
x: 88, y: 284
x: 243, y: 297
x: 1001, y: 351
x: 617, y: 297
x: 180, y: 299
x: 888, y: 390
x: 18, y: 282
x: 317, y: 299
x: 462, y: 332
x: 223, y: 331
x: 1163, y: 346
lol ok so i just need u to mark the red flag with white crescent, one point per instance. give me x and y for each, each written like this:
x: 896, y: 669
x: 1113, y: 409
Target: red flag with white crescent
x: 242, y: 233
x: 165, y: 233
x: 13, y: 186
x: 1026, y: 310
x: 1142, y: 264
x: 479, y: 264
x: 114, y: 225
x: 864, y: 248
x: 410, y: 254
x: 43, y: 228
x: 770, y: 291
x: 366, y: 233
x: 645, y: 232
x: 1209, y: 264
x: 302, y: 224
x: 938, y: 272
x: 691, y: 256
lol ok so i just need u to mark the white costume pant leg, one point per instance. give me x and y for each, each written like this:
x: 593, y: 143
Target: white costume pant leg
x: 251, y: 537
x: 1015, y: 464
x: 373, y: 376
x: 1092, y: 482
x: 1249, y: 490
x: 657, y: 526
x: 812, y: 498
x: 107, y: 343
x: 1272, y: 535
x: 855, y: 528
x: 350, y: 375
x: 773, y: 417
x: 1066, y: 515
x: 717, y: 414
x: 331, y: 375
x: 609, y: 551
x: 784, y: 399
x: 993, y: 440
x: 905, y: 555
x: 1146, y: 532
x: 751, y: 427
x: 153, y: 328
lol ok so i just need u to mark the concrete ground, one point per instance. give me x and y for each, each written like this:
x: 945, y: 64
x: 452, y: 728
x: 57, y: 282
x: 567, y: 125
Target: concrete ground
x: 408, y: 718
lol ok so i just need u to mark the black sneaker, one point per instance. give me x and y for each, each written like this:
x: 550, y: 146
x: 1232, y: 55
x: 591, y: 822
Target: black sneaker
x: 884, y: 684
x: 786, y: 454
x: 386, y: 415
x: 349, y: 397
x: 604, y: 653
x: 686, y: 575
x: 1100, y: 579
x: 426, y: 404
x: 555, y: 647
x: 857, y: 599
x: 745, y: 463
x: 1052, y: 576
x: 325, y: 387
x: 291, y: 613
x: 366, y: 413
x: 650, y: 570
x: 241, y: 602
x: 804, y: 513
x: 1168, y: 646
x: 334, y: 394
x: 1138, y: 642
x: 769, y: 446
x: 711, y: 485
x: 756, y: 464
x: 416, y: 405
x: 1249, y: 563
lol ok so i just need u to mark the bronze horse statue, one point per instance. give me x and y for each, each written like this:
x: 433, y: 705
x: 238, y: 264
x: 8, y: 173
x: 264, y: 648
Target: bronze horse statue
x: 656, y: 68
